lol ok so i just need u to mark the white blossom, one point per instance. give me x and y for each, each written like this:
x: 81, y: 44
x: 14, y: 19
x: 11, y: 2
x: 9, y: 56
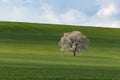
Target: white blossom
x: 74, y: 41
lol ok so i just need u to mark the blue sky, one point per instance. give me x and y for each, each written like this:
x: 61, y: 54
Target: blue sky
x: 104, y: 13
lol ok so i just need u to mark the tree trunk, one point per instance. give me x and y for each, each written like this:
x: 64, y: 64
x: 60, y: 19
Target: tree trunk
x: 74, y: 53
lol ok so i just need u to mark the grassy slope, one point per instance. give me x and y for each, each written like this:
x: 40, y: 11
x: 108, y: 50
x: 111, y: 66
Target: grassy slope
x: 30, y: 51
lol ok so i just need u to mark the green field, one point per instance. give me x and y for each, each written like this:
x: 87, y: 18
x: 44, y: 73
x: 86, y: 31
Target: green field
x: 30, y: 51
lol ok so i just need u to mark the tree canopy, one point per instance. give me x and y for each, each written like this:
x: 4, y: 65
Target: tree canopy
x: 74, y: 41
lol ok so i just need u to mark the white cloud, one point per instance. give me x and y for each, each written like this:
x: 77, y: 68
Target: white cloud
x: 108, y: 11
x: 73, y: 17
x: 6, y: 1
x: 18, y: 13
x: 112, y: 24
x: 115, y: 24
x: 48, y: 14
x: 13, y: 13
x: 106, y: 15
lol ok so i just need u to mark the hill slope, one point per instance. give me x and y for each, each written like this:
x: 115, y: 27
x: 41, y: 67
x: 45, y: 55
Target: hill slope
x: 30, y: 51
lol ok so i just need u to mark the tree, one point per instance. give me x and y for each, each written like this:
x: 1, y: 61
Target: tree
x: 73, y: 42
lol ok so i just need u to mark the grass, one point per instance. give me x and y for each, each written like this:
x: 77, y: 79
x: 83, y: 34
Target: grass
x: 30, y: 51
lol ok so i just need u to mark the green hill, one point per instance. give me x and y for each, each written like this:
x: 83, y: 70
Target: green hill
x: 30, y: 51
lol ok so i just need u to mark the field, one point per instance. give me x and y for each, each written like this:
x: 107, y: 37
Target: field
x: 30, y: 51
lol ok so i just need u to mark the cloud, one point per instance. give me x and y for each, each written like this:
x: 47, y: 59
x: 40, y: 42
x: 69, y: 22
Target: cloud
x: 19, y: 10
x: 48, y: 14
x: 73, y: 16
x: 6, y: 1
x: 112, y: 24
x: 108, y: 10
x: 18, y: 13
x: 106, y: 14
x: 13, y: 13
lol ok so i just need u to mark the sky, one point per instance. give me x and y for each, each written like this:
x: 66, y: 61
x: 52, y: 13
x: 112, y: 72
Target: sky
x: 105, y: 13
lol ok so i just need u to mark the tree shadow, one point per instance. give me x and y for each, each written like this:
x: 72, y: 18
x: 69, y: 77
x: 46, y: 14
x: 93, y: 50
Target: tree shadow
x: 98, y: 57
